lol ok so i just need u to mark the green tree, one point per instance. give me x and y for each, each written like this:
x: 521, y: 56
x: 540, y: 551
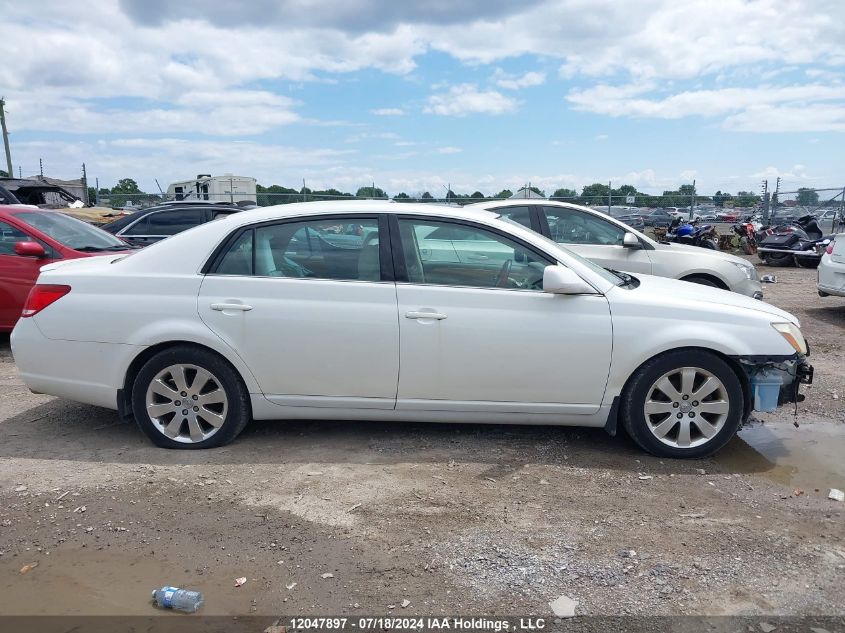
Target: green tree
x: 595, y: 194
x: 276, y: 194
x: 746, y: 199
x: 504, y: 193
x: 565, y: 193
x: 92, y: 195
x: 370, y: 192
x: 477, y: 195
x: 4, y: 174
x: 126, y: 186
x: 807, y: 197
x: 402, y: 196
x: 426, y: 197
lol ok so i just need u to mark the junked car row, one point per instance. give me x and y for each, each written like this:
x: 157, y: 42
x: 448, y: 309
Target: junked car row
x: 474, y: 314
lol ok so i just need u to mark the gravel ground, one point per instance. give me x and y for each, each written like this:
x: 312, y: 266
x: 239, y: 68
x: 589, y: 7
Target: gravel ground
x: 357, y: 518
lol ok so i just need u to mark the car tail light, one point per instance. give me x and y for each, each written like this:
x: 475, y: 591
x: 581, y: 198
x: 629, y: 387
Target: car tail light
x: 829, y: 249
x: 41, y: 296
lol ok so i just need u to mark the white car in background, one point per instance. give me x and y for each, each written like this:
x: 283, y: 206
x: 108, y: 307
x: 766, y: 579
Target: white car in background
x: 831, y: 270
x: 333, y: 310
x: 612, y: 244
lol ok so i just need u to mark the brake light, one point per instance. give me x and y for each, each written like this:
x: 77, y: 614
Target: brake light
x: 41, y: 296
x: 829, y: 249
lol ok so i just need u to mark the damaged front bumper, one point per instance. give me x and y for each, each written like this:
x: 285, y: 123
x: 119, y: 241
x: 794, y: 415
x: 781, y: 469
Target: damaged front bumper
x: 774, y: 381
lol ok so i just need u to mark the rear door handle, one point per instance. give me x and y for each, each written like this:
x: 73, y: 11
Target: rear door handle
x: 221, y: 307
x: 437, y: 316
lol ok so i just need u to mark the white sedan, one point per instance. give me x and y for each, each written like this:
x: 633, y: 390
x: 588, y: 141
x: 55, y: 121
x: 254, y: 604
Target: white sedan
x: 831, y: 269
x: 335, y: 311
x: 612, y: 244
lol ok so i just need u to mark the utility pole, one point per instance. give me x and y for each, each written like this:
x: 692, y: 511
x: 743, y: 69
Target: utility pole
x: 609, y: 190
x: 85, y: 186
x: 5, y: 133
x: 692, y: 200
x: 765, y: 203
x: 775, y: 195
x: 41, y: 167
x: 97, y: 192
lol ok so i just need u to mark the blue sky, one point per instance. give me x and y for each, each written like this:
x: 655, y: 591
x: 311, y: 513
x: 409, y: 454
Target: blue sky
x: 415, y: 96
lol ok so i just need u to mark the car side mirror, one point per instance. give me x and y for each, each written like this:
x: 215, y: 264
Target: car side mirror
x: 560, y: 280
x: 629, y: 240
x: 30, y: 249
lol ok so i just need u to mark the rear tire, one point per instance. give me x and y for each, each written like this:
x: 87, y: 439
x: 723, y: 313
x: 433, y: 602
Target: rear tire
x: 805, y: 262
x: 708, y: 244
x: 684, y: 389
x: 190, y: 398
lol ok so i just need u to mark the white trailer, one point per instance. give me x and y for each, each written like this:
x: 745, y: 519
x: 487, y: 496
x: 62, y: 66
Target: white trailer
x: 225, y: 188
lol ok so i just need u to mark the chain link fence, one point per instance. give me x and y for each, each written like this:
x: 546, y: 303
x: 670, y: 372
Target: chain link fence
x: 826, y: 205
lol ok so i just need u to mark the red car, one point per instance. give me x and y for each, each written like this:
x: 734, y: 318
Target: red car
x: 30, y: 238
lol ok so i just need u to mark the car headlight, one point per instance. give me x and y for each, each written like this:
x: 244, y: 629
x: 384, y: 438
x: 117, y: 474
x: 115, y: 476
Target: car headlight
x: 793, y: 336
x: 748, y: 269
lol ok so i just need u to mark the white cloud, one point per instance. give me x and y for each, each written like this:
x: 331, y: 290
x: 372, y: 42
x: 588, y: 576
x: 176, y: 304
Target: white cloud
x: 465, y: 99
x: 600, y: 137
x: 388, y: 112
x: 449, y: 150
x: 797, y: 108
x: 515, y: 82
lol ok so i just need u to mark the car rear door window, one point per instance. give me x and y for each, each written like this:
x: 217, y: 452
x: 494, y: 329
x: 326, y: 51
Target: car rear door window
x: 570, y: 226
x: 519, y: 214
x: 341, y: 249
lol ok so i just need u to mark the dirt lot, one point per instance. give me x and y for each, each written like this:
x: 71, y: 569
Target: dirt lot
x: 470, y: 519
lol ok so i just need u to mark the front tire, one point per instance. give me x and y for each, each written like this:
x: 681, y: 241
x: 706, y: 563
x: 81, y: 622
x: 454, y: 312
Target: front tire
x: 683, y: 404
x: 190, y: 398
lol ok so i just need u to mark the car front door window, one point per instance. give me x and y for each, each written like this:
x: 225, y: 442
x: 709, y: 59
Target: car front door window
x: 456, y: 254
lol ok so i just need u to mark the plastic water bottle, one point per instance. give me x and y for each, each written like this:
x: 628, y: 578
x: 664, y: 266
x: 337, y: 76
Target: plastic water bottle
x: 179, y: 599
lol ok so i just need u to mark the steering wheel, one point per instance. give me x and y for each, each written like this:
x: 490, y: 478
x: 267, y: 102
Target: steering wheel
x: 504, y: 273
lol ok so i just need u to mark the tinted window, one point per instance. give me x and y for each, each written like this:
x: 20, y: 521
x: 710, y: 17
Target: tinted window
x: 167, y: 222
x: 569, y: 226
x: 9, y: 236
x: 318, y: 249
x: 455, y: 254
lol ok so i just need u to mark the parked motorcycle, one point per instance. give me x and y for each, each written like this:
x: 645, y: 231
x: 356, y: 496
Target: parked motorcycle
x: 690, y: 233
x: 801, y: 242
x: 747, y: 236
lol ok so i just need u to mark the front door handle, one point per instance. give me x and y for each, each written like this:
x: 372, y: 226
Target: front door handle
x: 437, y: 316
x: 221, y: 307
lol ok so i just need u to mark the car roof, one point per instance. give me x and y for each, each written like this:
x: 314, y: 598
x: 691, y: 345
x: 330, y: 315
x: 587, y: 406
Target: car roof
x: 365, y: 207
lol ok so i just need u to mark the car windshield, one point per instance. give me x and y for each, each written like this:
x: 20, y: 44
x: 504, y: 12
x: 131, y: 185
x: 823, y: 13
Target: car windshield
x: 71, y: 232
x: 604, y: 273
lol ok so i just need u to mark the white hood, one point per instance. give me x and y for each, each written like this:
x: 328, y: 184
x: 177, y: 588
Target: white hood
x: 674, y: 290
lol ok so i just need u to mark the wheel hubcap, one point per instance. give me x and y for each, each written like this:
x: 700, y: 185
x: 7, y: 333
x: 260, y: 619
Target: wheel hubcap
x: 186, y: 403
x: 686, y: 407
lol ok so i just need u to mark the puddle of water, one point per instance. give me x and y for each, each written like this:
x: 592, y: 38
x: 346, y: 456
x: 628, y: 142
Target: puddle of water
x: 810, y: 457
x: 108, y: 582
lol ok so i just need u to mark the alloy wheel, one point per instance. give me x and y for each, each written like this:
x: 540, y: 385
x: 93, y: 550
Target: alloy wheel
x: 186, y: 403
x: 686, y: 407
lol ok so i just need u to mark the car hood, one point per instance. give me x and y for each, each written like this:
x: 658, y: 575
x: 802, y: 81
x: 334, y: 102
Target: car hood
x: 675, y: 290
x: 701, y: 252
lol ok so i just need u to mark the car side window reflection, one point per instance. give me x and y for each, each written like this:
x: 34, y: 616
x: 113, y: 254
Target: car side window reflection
x: 344, y: 249
x: 454, y: 254
x: 520, y: 215
x: 9, y: 236
x: 570, y: 226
